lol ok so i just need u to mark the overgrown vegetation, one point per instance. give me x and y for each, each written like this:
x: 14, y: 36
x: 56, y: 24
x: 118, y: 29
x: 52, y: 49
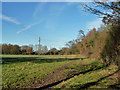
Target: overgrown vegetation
x: 102, y: 44
x: 37, y: 72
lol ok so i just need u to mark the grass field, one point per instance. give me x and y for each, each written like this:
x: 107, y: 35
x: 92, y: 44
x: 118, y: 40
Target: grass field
x: 33, y: 71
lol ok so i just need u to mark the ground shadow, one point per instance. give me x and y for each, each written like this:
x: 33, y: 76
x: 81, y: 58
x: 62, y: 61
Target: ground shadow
x: 115, y: 86
x: 36, y: 59
x: 74, y: 74
x: 85, y: 86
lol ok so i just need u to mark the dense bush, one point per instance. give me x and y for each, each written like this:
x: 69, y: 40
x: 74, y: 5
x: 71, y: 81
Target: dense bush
x: 111, y: 50
x: 102, y: 44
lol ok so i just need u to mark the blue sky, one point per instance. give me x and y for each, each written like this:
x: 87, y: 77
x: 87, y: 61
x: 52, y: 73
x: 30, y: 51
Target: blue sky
x: 55, y: 22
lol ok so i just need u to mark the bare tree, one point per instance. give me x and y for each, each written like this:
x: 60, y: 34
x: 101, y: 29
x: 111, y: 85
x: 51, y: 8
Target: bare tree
x: 108, y: 11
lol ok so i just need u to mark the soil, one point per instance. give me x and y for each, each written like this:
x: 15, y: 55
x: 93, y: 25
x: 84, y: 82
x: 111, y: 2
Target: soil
x: 52, y: 78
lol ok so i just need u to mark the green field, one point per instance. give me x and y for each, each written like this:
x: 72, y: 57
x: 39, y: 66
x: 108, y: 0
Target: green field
x: 56, y: 71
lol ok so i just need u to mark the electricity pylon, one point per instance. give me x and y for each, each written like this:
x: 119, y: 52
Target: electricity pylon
x: 39, y: 46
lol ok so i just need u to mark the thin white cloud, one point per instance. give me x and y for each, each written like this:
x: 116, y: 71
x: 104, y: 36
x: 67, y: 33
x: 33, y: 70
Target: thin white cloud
x: 38, y: 9
x: 58, y: 45
x: 61, y: 43
x: 27, y: 27
x: 24, y: 29
x: 53, y: 9
x: 10, y: 19
x: 94, y: 24
x: 55, y: 12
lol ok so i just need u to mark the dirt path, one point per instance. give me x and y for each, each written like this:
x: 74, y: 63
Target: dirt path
x: 53, y: 77
x: 56, y: 77
x: 60, y: 75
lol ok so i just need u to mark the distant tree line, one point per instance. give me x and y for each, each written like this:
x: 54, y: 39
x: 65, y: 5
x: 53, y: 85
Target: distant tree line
x: 25, y: 49
x: 10, y: 49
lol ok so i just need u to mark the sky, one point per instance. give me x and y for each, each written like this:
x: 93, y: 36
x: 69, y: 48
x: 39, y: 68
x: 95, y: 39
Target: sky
x: 55, y: 22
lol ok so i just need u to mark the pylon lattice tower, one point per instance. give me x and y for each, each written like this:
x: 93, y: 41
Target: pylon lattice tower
x: 39, y: 46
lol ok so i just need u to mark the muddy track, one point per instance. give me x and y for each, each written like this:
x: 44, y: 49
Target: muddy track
x: 57, y: 77
x: 54, y: 80
x: 53, y: 77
